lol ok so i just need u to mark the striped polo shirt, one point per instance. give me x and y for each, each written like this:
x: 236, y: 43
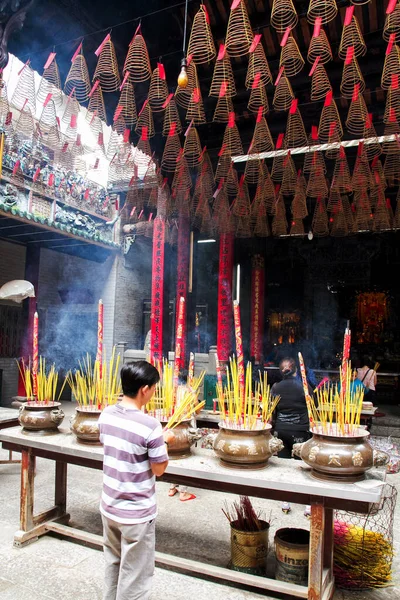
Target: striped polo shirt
x: 132, y: 440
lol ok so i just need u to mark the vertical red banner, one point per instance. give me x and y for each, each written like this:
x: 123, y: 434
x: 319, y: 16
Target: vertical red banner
x: 182, y: 277
x: 225, y: 314
x: 157, y: 290
x: 257, y: 308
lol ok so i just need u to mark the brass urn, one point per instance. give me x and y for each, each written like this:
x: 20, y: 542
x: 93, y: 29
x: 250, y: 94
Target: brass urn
x: 85, y: 424
x: 184, y: 437
x: 246, y: 448
x: 39, y: 417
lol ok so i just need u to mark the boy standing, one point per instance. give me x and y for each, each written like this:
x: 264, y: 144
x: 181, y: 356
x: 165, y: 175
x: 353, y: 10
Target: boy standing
x: 134, y: 454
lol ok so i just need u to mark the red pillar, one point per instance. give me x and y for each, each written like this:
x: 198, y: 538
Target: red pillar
x: 182, y: 279
x: 157, y: 290
x: 257, y: 308
x: 225, y: 312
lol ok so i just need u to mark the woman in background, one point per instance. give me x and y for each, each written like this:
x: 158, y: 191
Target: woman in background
x: 367, y: 376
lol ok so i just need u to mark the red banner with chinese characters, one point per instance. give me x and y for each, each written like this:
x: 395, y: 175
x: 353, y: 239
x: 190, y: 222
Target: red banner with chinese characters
x: 225, y: 314
x: 257, y: 308
x: 178, y: 358
x: 157, y: 290
x: 182, y: 277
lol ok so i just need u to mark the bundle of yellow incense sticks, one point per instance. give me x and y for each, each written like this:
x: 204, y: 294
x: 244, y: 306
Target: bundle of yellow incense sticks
x: 95, y: 384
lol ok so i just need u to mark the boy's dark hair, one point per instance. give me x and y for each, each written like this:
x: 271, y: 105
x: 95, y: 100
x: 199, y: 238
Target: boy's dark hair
x: 135, y: 375
x: 287, y: 367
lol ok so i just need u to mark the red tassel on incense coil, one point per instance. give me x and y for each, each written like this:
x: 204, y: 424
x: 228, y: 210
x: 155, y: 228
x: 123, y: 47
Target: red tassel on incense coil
x: 373, y: 149
x: 295, y: 135
x: 289, y: 176
x: 320, y: 84
x: 319, y: 46
x: 145, y: 120
x: 357, y: 114
x: 299, y: 203
x: 258, y: 65
x: 283, y: 95
x: 50, y: 82
x: 330, y: 127
x: 201, y: 44
x: 317, y: 186
x: 96, y: 104
x: 241, y: 204
x: 351, y: 36
x: 258, y: 99
x: 158, y: 91
x: 279, y: 221
x: 326, y: 10
x: 24, y: 95
x: 383, y: 215
x: 107, y: 71
x: 222, y: 110
x: 239, y: 35
x: 25, y: 123
x: 291, y: 58
x: 171, y: 115
x: 223, y: 75
x: 72, y: 108
x: 351, y: 76
x: 341, y: 179
x: 192, y: 147
x: 137, y: 60
x: 262, y: 140
x: 319, y: 225
x: 183, y: 95
x: 283, y: 15
x: 172, y: 150
x: 392, y: 24
x: 128, y: 103
x: 231, y: 140
x: 195, y: 111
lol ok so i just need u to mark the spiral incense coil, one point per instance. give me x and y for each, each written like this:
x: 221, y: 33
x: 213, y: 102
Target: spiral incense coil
x: 357, y: 115
x: 325, y: 9
x: 223, y: 75
x: 143, y: 151
x: 258, y: 99
x: 327, y: 132
x: 232, y: 181
x: 341, y: 179
x: 158, y: 91
x: 277, y: 168
x: 252, y: 171
x: 363, y: 210
x: 289, y: 176
x: 295, y: 133
x: 137, y: 60
x: 262, y: 228
x: 207, y: 173
x: 78, y: 80
x: 239, y: 34
x: 391, y: 67
x: 201, y: 44
x: 283, y: 15
x: 319, y: 47
x: 192, y: 147
x: 258, y: 207
x: 319, y: 225
x: 223, y: 167
x: 72, y: 108
x: 283, y: 95
x: 182, y: 179
x: 317, y: 186
x: 392, y: 105
x: 222, y: 110
x: 297, y: 227
x: 339, y: 226
x: 232, y: 141
x: 391, y: 169
x: 52, y: 137
x: 378, y: 176
x: 383, y: 215
x: 243, y: 228
x: 96, y: 105
x: 4, y: 104
x: 351, y: 77
x: 241, y: 204
x: 128, y: 103
x: 113, y: 145
x: 279, y: 221
x: 145, y: 120
x: 171, y: 115
x: 313, y: 158
x: 25, y: 122
x: 392, y: 24
x: 362, y: 177
x: 371, y: 149
x: 391, y: 128
x: 258, y: 64
x: 221, y: 204
x: 48, y: 118
x: 334, y: 200
x: 291, y: 58
x: 262, y: 140
x: 195, y: 111
x: 299, y: 205
x: 172, y: 150
x: 107, y: 71
x: 24, y: 95
x: 96, y: 126
x: 50, y: 83
x: 320, y: 84
x: 183, y: 95
x: 352, y: 37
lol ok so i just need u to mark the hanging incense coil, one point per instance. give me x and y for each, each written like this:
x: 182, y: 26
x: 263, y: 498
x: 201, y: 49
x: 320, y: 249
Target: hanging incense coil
x: 262, y: 140
x: 295, y: 135
x: 241, y: 204
x: 325, y: 9
x: 339, y: 225
x: 223, y: 76
x: 297, y: 227
x: 128, y: 103
x: 378, y: 177
x: 262, y: 228
x: 319, y: 47
x: 243, y: 228
x: 4, y: 104
x: 391, y: 169
x: 25, y: 122
x: 391, y: 67
x: 299, y: 203
x: 371, y: 149
x: 232, y: 181
x: 207, y: 225
x: 107, y: 71
x: 392, y: 128
x: 313, y: 158
x: 341, y: 179
x: 357, y: 115
x: 317, y: 186
x: 72, y: 108
x: 183, y: 95
x: 383, y: 215
x: 206, y: 172
x: 223, y: 166
x: 182, y: 180
x: 291, y: 58
x: 113, y: 144
x: 289, y: 176
x: 24, y: 94
x: 137, y: 61
x: 192, y: 147
x: 143, y: 146
x: 239, y: 34
x: 78, y: 80
x: 96, y: 104
x: 171, y: 115
x: 145, y: 120
x: 96, y: 126
x: 283, y: 15
x: 201, y: 44
x: 334, y: 200
x: 351, y: 77
x: 392, y: 24
x: 258, y: 209
x: 279, y: 221
x: 231, y: 141
x: 158, y: 91
x: 277, y: 168
x: 392, y: 103
x: 362, y: 177
x: 195, y: 111
x: 330, y: 127
x: 283, y: 95
x: 363, y: 218
x: 320, y: 84
x: 258, y: 67
x: 48, y: 118
x: 172, y: 150
x: 265, y: 180
x: 258, y: 99
x: 352, y: 37
x: 319, y: 225
x: 252, y: 170
x: 50, y: 83
x: 222, y: 110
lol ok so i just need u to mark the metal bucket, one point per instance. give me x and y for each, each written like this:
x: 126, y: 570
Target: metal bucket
x: 249, y: 549
x: 292, y: 554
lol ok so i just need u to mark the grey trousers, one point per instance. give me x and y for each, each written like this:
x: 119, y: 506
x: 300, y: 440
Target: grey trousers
x: 129, y: 560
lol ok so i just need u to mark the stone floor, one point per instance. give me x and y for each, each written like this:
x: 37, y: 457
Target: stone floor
x: 55, y: 569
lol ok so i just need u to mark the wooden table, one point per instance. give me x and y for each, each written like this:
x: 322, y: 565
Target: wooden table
x: 8, y: 418
x: 283, y: 479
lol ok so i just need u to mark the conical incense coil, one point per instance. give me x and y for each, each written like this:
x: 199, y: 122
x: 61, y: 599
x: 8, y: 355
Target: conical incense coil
x: 262, y: 228
x: 317, y: 186
x: 313, y: 157
x: 262, y: 140
x: 277, y: 168
x: 392, y: 128
x: 289, y: 176
x: 291, y: 58
x: 392, y: 24
x: 319, y: 225
x: 96, y: 104
x: 391, y: 169
x: 252, y: 171
x: 232, y: 181
x: 96, y: 125
x: 334, y: 200
x: 283, y: 95
x: 128, y: 104
x: 78, y: 80
x: 239, y: 34
x: 351, y: 77
x: 25, y: 123
x: 341, y: 179
x: 107, y: 71
x: 265, y: 180
x: 378, y: 176
x: 258, y: 99
x: 279, y: 221
x: 158, y: 91
x: 4, y: 104
x: 192, y: 147
x: 391, y: 66
x: 363, y: 218
x: 319, y: 47
x: 50, y: 83
x: 329, y: 122
x: 297, y: 227
x: 114, y: 144
x: 357, y: 115
x: 206, y: 172
x: 351, y: 36
x: 145, y: 120
x: 243, y: 228
x: 258, y: 209
x: 258, y: 65
x: 201, y: 44
x: 143, y: 150
x: 223, y: 76
x: 182, y: 179
x: 222, y: 110
x: 299, y: 205
x: 295, y: 135
x: 172, y: 150
x: 48, y: 118
x: 383, y: 215
x: 183, y: 95
x: 207, y: 225
x: 137, y: 61
x: 320, y: 84
x: 392, y: 101
x: 373, y: 149
x: 195, y: 111
x: 241, y: 204
x: 338, y: 222
x: 171, y: 115
x: 326, y: 10
x: 231, y: 141
x: 24, y: 94
x: 223, y: 166
x: 72, y: 108
x: 283, y: 15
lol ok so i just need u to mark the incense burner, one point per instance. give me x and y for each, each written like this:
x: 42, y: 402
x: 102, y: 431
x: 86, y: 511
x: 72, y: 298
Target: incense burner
x: 340, y: 458
x: 245, y: 448
x: 185, y: 436
x: 39, y: 417
x: 85, y: 424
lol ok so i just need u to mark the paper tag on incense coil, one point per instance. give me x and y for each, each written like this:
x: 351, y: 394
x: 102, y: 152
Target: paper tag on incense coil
x: 144, y: 106
x: 125, y: 79
x: 196, y: 95
x: 391, y: 6
x: 285, y: 37
x: 256, y: 81
x: 27, y: 63
x: 332, y: 128
x: 103, y: 43
x: 204, y: 8
x: 200, y: 159
x: 293, y: 106
x: 222, y: 151
x: 161, y: 71
x: 50, y: 181
x: 94, y: 88
x: 36, y: 174
x: 277, y: 80
x: 235, y: 4
x: 255, y: 42
x: 221, y: 52
x: 279, y: 141
x: 16, y: 167
x: 172, y: 129
x: 9, y: 118
x: 78, y: 140
x: 100, y: 139
x: 223, y: 89
x: 145, y: 131
x: 168, y: 100
x: 349, y: 55
x: 395, y: 81
x: 77, y: 51
x: 355, y: 92
x: 375, y: 161
x: 328, y: 98
x: 189, y: 128
x: 317, y: 27
x: 392, y: 115
x: 260, y: 114
x: 316, y: 61
x: 65, y: 147
x: 368, y: 121
x: 127, y: 134
x: 73, y: 121
x: 86, y: 194
x: 360, y: 148
x: 49, y: 60
x: 180, y: 154
x: 342, y: 153
x: 118, y: 112
x: 287, y: 157
x: 58, y: 122
x: 47, y: 100
x: 231, y: 120
x: 314, y: 132
x: 392, y: 40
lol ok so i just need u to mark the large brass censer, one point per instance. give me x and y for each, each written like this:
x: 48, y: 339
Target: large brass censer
x: 85, y: 424
x: 40, y: 418
x: 245, y: 448
x: 184, y: 437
